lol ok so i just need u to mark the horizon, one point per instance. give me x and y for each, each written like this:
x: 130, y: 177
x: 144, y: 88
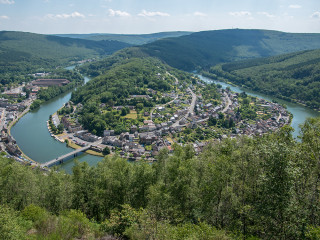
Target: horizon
x: 150, y: 33
x: 147, y: 17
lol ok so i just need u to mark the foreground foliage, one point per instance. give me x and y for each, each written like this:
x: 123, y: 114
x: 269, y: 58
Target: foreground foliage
x: 250, y: 188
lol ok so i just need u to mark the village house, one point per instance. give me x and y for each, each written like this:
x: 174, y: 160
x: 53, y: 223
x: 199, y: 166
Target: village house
x: 140, y: 96
x: 161, y: 109
x: 13, y: 149
x: 144, y: 128
x: 133, y: 129
x: 16, y: 107
x: 10, y: 117
x: 71, y: 126
x: 124, y: 136
x: 84, y: 135
x: 15, y: 93
x: 152, y: 127
x: 147, y: 122
x: 108, y: 133
x: 208, y: 106
x: 117, y: 107
x: 4, y: 102
x: 112, y: 141
x: 148, y: 138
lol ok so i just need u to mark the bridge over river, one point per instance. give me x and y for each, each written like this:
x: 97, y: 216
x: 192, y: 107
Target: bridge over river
x: 65, y: 157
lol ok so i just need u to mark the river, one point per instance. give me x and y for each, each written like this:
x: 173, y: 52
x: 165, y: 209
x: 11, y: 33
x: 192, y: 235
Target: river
x: 299, y: 112
x: 34, y: 139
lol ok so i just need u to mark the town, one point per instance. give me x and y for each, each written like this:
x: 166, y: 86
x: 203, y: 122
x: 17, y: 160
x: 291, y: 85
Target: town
x: 15, y: 102
x: 196, y: 114
x: 180, y: 121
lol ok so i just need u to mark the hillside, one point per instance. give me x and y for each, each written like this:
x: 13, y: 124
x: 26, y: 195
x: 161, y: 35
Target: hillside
x: 115, y: 87
x: 203, y: 49
x: 294, y: 77
x: 134, y: 39
x: 52, y: 47
x: 22, y: 52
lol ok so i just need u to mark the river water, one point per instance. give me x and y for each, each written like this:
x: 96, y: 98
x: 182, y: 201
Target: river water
x: 299, y: 112
x: 33, y: 137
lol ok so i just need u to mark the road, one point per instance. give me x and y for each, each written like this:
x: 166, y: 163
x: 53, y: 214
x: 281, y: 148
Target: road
x: 163, y: 105
x: 176, y: 79
x: 228, y: 103
x: 278, y: 119
x: 191, y: 107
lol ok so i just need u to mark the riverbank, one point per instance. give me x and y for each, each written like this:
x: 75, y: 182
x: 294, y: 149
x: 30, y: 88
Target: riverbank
x: 9, y: 133
x: 246, y: 88
x: 65, y: 138
x: 17, y: 119
x: 299, y: 112
x: 32, y: 136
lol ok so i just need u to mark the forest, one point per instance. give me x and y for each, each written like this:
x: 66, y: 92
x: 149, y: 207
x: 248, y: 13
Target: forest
x: 248, y: 188
x: 293, y: 77
x: 23, y: 53
x: 202, y: 50
x: 133, y: 39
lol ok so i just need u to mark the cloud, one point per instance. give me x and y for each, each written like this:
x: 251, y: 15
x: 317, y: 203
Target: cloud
x: 4, y: 17
x: 295, y: 6
x: 65, y: 16
x: 316, y: 15
x: 240, y: 14
x: 199, y: 14
x: 118, y: 13
x: 266, y: 14
x: 145, y: 13
x: 7, y: 1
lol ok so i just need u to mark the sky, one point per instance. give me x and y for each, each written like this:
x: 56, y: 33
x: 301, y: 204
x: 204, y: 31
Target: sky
x: 150, y: 16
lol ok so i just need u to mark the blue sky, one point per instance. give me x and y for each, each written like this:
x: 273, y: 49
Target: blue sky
x: 149, y: 16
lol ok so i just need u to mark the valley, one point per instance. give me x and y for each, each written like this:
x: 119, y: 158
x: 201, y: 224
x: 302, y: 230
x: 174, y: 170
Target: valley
x: 177, y: 154
x: 174, y: 108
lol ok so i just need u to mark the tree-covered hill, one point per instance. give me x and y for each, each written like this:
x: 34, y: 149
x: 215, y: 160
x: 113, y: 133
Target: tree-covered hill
x: 52, y: 47
x: 293, y: 76
x: 209, y: 48
x: 119, y: 78
x: 22, y: 53
x: 134, y: 39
